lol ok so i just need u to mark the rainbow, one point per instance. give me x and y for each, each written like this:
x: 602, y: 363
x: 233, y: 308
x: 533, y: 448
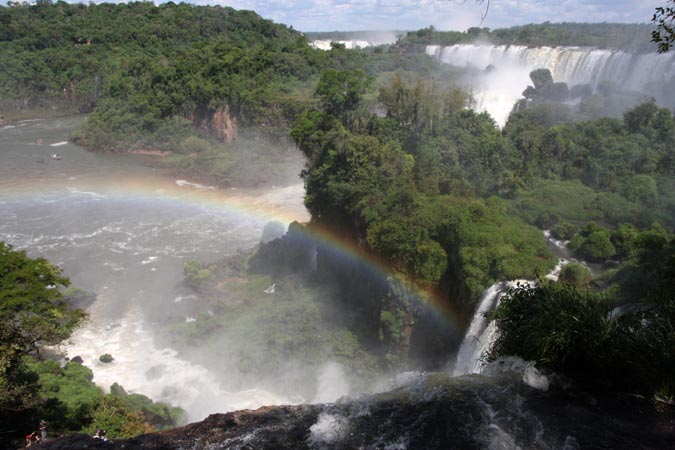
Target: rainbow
x: 283, y: 205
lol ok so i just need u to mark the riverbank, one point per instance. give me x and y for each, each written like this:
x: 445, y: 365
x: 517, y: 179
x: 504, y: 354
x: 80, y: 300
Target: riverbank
x: 10, y: 117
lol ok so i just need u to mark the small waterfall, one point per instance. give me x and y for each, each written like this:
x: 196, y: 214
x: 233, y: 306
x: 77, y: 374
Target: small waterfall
x: 472, y: 346
x: 497, y: 91
x: 481, y: 335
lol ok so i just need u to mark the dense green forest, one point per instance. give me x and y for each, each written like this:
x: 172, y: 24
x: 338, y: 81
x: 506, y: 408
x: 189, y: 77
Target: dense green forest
x: 205, y: 83
x: 631, y: 37
x: 398, y: 166
x: 446, y: 198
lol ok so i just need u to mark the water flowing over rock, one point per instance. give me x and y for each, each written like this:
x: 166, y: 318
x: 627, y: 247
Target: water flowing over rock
x: 481, y: 334
x: 498, y: 89
x: 429, y: 412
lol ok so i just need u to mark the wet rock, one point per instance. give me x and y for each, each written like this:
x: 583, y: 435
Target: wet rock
x: 429, y: 412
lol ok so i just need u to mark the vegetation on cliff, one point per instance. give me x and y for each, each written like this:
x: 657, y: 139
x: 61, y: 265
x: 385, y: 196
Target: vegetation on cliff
x: 34, y: 314
x: 622, y: 339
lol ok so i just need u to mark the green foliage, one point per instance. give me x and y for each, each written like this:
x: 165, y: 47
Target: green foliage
x: 596, y: 247
x: 562, y: 327
x: 575, y: 275
x: 602, y: 35
x: 564, y: 230
x: 106, y: 358
x: 341, y: 91
x: 33, y: 313
x: 541, y: 78
x: 70, y: 395
x: 115, y: 417
x: 296, y: 327
x: 576, y: 335
x: 72, y: 402
x: 196, y: 275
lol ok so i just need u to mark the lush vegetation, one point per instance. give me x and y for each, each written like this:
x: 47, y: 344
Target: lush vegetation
x: 279, y: 330
x: 34, y: 313
x: 215, y: 87
x: 398, y: 168
x: 633, y: 37
x: 622, y: 339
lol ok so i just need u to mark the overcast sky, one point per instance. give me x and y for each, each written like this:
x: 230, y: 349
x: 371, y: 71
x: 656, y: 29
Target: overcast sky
x: 343, y: 15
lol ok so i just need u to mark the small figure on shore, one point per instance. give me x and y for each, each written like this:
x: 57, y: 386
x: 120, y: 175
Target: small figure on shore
x: 43, y: 430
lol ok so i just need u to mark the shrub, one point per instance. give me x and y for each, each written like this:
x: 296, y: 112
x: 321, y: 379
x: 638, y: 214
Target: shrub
x: 597, y: 247
x: 575, y: 275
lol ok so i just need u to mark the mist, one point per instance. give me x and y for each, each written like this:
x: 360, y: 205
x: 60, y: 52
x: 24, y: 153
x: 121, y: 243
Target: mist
x: 497, y: 75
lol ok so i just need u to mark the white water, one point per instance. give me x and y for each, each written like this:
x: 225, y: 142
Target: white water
x: 481, y: 334
x: 141, y: 366
x: 124, y: 232
x: 498, y: 90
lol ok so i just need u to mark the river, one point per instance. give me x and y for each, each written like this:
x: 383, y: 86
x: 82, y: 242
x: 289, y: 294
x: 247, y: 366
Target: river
x: 123, y: 231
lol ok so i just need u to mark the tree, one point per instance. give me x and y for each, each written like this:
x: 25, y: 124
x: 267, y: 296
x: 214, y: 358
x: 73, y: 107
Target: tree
x: 664, y: 34
x: 340, y: 91
x: 33, y: 313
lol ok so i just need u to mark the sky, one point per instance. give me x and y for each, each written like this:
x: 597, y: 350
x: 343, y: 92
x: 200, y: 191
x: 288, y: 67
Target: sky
x: 346, y: 15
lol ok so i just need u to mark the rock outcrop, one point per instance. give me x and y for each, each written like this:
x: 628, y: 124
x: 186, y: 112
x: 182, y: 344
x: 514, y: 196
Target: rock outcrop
x: 427, y: 412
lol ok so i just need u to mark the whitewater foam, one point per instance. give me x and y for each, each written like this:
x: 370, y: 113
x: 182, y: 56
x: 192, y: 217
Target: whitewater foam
x: 496, y: 91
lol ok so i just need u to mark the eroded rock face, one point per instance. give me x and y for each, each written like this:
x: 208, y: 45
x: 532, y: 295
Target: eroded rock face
x: 219, y: 123
x: 428, y: 412
x: 224, y: 125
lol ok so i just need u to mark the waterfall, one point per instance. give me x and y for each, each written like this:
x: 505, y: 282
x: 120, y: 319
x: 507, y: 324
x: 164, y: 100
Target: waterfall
x: 496, y: 91
x: 481, y: 335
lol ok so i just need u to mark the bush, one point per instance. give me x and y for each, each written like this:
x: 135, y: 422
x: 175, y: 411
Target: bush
x: 564, y: 230
x: 597, y: 247
x: 575, y: 275
x: 574, y: 334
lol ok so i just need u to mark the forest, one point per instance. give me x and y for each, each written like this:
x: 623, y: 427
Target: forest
x: 397, y: 164
x: 631, y: 37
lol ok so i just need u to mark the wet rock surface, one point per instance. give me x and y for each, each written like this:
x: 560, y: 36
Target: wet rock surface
x: 428, y: 412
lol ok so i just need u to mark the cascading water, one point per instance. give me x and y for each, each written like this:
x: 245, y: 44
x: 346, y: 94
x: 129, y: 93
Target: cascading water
x: 124, y: 233
x: 496, y: 91
x: 481, y: 334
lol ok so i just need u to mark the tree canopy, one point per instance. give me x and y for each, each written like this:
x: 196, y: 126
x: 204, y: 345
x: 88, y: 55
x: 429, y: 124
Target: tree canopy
x: 33, y: 313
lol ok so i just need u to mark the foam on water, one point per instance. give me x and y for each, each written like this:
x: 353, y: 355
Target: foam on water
x: 496, y: 91
x: 141, y: 366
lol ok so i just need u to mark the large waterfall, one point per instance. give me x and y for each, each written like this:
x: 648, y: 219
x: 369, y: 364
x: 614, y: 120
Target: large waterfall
x: 497, y: 90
